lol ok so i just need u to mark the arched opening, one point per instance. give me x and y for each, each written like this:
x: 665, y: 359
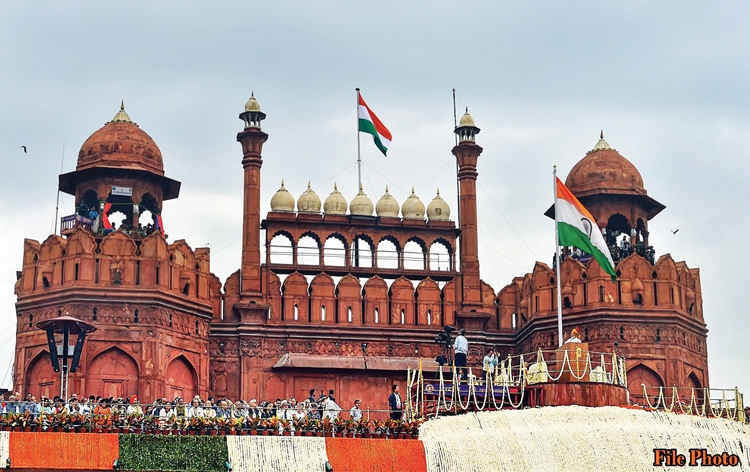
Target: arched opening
x: 349, y: 315
x: 429, y: 317
x: 440, y: 258
x: 90, y: 199
x: 308, y: 251
x: 41, y: 379
x: 281, y: 249
x: 334, y: 252
x: 361, y: 252
x: 377, y: 315
x: 567, y: 303
x: 322, y: 312
x: 117, y: 218
x: 113, y: 373
x: 640, y: 374
x: 181, y: 379
x: 387, y: 255
x: 414, y: 255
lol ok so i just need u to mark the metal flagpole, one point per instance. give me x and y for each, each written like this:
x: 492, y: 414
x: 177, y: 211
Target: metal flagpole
x: 557, y: 262
x: 359, y: 157
x: 458, y: 183
x: 57, y: 205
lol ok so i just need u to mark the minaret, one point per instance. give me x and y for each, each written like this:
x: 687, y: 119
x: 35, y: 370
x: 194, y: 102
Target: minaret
x: 467, y: 153
x: 252, y: 139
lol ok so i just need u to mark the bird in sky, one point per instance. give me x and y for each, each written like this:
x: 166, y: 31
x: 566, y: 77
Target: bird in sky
x: 675, y: 231
x: 24, y: 149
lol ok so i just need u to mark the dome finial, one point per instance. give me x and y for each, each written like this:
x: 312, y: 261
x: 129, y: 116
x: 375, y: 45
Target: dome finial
x: 335, y: 187
x: 386, y: 189
x: 308, y: 184
x: 282, y: 182
x: 122, y: 115
x: 438, y: 191
x: 602, y: 144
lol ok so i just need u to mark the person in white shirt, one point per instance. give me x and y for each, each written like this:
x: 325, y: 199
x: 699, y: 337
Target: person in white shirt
x: 461, y: 349
x: 356, y: 412
x: 331, y: 409
x: 575, y: 336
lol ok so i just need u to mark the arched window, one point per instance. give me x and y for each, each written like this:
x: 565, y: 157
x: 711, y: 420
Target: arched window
x: 322, y: 312
x: 413, y: 256
x: 403, y: 316
x: 387, y: 255
x: 361, y: 253
x: 349, y: 315
x: 429, y: 317
x: 281, y: 250
x: 308, y: 252
x: 334, y: 252
x: 440, y: 258
x: 377, y: 315
x: 296, y: 312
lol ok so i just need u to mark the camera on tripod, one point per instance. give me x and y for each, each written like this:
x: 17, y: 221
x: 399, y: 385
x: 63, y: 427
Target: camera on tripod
x: 446, y: 339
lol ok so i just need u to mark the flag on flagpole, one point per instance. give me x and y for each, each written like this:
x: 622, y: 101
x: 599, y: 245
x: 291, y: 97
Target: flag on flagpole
x: 369, y: 123
x: 576, y: 227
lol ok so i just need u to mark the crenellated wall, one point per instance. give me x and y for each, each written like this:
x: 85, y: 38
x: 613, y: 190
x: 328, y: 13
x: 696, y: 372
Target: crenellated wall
x: 653, y: 312
x: 150, y: 301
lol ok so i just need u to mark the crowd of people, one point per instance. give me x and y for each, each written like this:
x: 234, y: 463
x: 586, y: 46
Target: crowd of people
x: 109, y: 410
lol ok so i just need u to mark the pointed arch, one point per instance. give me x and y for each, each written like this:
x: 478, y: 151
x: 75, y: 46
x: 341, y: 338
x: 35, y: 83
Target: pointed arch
x: 181, y: 378
x: 113, y: 373
x: 642, y: 374
x: 40, y: 379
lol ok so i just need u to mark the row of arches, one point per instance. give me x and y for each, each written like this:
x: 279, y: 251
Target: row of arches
x: 111, y: 373
x: 361, y: 251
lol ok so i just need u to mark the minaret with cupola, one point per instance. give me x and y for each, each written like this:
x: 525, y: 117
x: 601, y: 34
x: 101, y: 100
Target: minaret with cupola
x: 467, y: 153
x: 252, y: 139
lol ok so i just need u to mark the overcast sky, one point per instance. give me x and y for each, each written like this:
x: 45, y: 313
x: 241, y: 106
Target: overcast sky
x: 667, y: 81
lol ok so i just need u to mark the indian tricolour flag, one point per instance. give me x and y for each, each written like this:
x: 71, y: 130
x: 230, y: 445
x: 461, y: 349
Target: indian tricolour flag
x: 369, y: 123
x: 576, y: 227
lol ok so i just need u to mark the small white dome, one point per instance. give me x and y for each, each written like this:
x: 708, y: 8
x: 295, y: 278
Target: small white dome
x: 387, y: 205
x: 438, y: 209
x: 466, y: 120
x: 361, y: 205
x: 308, y: 202
x: 252, y: 104
x: 335, y: 204
x: 282, y: 200
x: 413, y: 208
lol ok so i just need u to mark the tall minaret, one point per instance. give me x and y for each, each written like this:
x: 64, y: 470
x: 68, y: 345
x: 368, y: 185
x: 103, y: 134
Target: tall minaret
x: 467, y: 153
x: 252, y: 139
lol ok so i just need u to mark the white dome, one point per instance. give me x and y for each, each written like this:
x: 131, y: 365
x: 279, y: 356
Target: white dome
x: 361, y: 205
x: 413, y: 208
x: 438, y: 209
x: 335, y: 204
x: 282, y: 200
x: 387, y: 205
x: 308, y: 202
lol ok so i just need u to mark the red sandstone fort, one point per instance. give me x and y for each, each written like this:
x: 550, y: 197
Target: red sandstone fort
x: 350, y: 316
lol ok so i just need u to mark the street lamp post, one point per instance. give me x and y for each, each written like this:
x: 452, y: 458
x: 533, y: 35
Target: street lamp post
x: 65, y: 325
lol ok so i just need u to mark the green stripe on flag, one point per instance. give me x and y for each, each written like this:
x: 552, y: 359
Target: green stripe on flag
x: 572, y: 236
x: 367, y: 126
